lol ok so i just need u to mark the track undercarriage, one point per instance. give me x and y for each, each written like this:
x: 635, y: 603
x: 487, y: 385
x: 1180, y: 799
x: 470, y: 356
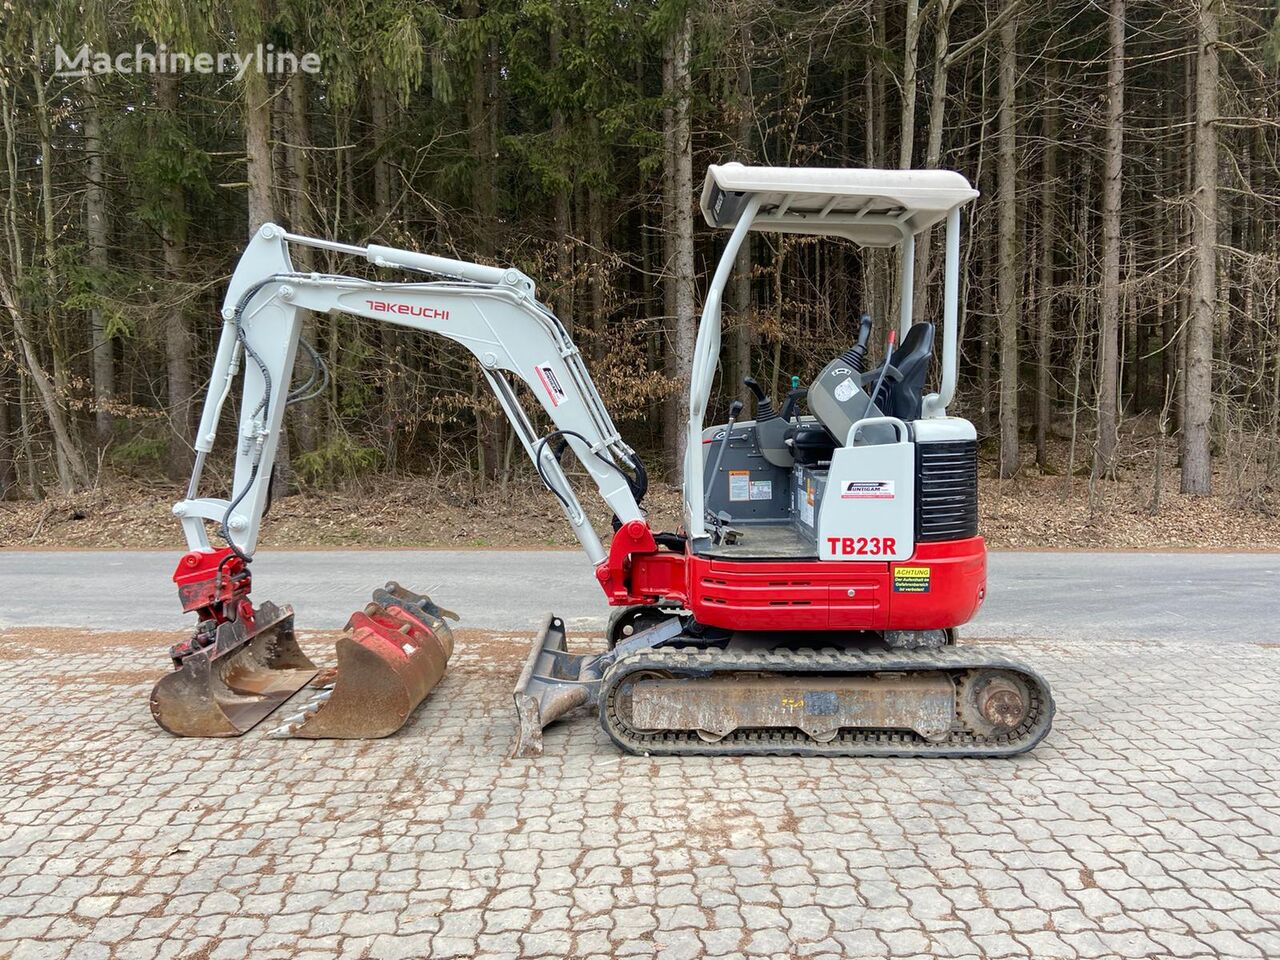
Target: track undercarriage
x: 675, y: 689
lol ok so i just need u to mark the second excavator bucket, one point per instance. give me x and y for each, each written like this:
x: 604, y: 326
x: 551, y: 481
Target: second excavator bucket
x: 393, y: 654
x: 247, y: 671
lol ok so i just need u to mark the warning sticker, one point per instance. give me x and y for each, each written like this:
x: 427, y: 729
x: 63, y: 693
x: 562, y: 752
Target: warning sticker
x: 761, y: 489
x: 806, y: 504
x: 866, y: 490
x: 844, y: 390
x: 739, y: 484
x: 910, y: 579
x: 551, y: 384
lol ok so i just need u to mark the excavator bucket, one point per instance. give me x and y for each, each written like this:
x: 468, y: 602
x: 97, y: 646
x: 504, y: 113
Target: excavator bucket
x: 224, y: 689
x: 393, y: 654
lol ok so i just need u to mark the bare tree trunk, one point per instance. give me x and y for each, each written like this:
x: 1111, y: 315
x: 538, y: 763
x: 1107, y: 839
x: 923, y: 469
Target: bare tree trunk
x: 177, y: 327
x: 13, y: 241
x: 740, y: 281
x: 875, y: 262
x: 257, y: 129
x: 260, y: 118
x: 75, y: 475
x: 1045, y: 296
x: 57, y: 349
x: 680, y: 175
x: 986, y: 331
x: 391, y: 340
x: 96, y: 234
x: 307, y: 422
x: 910, y: 53
x: 1109, y: 300
x: 1197, y: 475
x: 8, y: 449
x: 1006, y: 175
x: 565, y: 289
x: 933, y: 149
x: 596, y: 279
x: 481, y: 132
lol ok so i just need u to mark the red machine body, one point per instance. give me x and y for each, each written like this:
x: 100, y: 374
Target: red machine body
x: 942, y: 586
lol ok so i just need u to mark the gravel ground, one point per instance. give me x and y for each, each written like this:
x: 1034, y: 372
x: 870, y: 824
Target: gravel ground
x: 1146, y: 825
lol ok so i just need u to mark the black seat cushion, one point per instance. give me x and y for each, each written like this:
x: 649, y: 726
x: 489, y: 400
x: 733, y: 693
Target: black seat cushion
x: 902, y: 394
x: 811, y: 444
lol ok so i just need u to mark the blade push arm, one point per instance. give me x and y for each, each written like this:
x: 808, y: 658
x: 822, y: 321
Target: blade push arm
x: 489, y: 310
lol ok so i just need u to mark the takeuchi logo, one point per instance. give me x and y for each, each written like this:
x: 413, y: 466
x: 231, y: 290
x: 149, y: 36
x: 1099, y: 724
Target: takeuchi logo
x: 264, y: 58
x: 408, y: 309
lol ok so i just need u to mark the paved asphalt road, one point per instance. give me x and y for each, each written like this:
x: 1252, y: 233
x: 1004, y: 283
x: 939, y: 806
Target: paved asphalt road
x: 1076, y: 596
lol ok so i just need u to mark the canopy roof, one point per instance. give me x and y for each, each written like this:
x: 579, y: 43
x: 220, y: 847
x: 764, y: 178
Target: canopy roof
x: 870, y: 207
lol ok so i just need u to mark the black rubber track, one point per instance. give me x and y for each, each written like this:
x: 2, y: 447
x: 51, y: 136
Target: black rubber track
x: 694, y: 663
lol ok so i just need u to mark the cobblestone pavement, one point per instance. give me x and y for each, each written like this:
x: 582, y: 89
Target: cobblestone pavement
x: 1148, y: 824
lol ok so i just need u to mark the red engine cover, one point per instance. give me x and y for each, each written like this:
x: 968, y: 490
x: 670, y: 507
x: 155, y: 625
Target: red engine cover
x: 941, y: 586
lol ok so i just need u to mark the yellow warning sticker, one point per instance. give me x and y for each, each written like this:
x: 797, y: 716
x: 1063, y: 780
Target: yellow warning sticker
x: 910, y: 579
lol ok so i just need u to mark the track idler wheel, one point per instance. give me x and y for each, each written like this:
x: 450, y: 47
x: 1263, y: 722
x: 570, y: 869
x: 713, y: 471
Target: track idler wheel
x: 394, y: 653
x: 223, y: 689
x: 994, y: 702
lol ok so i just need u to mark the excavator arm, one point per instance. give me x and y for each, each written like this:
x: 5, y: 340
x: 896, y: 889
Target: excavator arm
x: 491, y: 311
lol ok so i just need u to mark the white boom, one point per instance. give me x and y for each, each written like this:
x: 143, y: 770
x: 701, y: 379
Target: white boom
x: 489, y: 310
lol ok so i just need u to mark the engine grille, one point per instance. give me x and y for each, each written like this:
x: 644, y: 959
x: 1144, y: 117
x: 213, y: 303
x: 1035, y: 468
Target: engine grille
x: 946, y: 490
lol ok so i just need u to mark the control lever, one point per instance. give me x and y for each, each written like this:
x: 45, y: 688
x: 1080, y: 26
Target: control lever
x: 764, y: 406
x: 856, y: 356
x: 796, y: 392
x: 884, y: 368
x: 735, y: 408
x: 864, y: 330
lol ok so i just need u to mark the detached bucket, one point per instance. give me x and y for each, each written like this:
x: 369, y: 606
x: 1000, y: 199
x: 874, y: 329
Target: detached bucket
x: 393, y: 655
x: 232, y: 684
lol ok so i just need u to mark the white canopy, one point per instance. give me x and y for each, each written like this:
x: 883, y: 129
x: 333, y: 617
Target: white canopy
x: 874, y: 208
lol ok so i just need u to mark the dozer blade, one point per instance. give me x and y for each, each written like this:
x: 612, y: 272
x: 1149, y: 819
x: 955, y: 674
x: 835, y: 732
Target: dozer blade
x: 551, y: 684
x: 236, y: 681
x: 555, y: 681
x: 393, y: 654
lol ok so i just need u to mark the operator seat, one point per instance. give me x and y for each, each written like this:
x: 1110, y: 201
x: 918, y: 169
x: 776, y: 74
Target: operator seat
x: 902, y: 394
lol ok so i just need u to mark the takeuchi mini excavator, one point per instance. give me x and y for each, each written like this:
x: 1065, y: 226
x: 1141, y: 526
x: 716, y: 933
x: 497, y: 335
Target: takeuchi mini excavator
x: 809, y: 604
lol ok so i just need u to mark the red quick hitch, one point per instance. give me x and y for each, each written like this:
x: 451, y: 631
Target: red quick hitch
x: 212, y: 583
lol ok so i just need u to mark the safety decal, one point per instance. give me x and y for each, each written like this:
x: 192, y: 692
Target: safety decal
x: 844, y: 390
x: 805, y: 503
x: 761, y: 489
x: 866, y: 490
x: 910, y: 579
x: 551, y: 384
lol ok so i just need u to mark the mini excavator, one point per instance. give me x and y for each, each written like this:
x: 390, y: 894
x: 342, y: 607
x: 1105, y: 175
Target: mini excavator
x: 808, y: 604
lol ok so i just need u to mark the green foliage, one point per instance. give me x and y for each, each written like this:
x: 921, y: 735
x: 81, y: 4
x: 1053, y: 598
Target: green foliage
x: 91, y: 288
x: 140, y: 453
x: 184, y: 25
x: 337, y: 460
x: 162, y: 157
